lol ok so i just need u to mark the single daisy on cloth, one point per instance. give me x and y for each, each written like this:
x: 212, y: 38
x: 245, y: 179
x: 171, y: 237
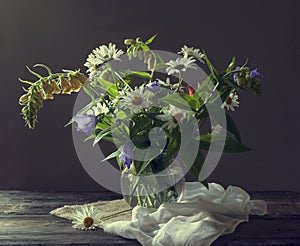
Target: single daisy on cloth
x: 86, y: 218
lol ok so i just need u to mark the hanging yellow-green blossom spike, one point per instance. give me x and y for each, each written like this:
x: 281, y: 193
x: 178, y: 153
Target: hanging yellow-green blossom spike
x: 45, y: 88
x: 32, y: 101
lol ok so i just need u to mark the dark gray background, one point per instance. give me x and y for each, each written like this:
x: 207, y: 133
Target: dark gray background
x: 62, y: 33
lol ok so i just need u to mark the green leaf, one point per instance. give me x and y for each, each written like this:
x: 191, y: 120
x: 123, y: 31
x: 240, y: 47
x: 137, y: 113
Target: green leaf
x: 231, y: 66
x: 232, y: 128
x: 150, y: 40
x: 89, y: 92
x: 121, y: 114
x: 192, y: 101
x: 112, y: 155
x: 174, y: 140
x: 144, y: 47
x: 141, y: 74
x: 139, y: 133
x: 101, y: 135
x: 104, y: 122
x: 176, y: 100
x: 205, y: 183
x: 89, y: 138
x: 212, y: 69
x: 197, y: 163
x: 110, y: 88
x: 144, y: 166
x: 231, y: 84
x: 206, y: 88
x: 231, y: 144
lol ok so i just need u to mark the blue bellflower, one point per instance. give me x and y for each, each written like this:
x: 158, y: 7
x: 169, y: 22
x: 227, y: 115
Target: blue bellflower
x: 126, y: 155
x: 235, y: 76
x: 85, y: 123
x: 255, y: 74
x: 125, y: 160
x: 154, y: 86
x: 118, y: 121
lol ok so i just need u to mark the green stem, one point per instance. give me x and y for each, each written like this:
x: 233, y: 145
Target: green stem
x: 113, y: 215
x: 179, y: 84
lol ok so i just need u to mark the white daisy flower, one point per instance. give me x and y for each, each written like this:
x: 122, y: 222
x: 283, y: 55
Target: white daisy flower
x: 136, y: 100
x: 172, y: 116
x: 101, y: 55
x: 86, y: 218
x: 192, y: 52
x: 99, y: 108
x: 231, y: 102
x: 180, y: 65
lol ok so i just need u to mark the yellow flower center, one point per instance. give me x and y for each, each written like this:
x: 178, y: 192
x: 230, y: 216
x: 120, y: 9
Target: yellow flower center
x: 88, y: 221
x: 137, y: 100
x: 229, y: 100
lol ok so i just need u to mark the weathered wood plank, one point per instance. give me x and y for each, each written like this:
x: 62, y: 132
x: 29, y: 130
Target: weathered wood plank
x: 263, y: 231
x: 46, y: 229
x: 25, y: 221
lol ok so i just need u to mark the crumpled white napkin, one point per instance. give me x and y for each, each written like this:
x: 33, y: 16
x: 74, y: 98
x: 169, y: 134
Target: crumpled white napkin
x: 201, y: 217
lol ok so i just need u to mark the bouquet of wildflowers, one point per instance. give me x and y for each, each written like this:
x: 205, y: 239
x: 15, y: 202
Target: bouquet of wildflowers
x: 144, y: 112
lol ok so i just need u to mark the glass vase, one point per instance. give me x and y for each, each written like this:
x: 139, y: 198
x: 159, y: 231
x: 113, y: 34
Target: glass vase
x: 151, y: 189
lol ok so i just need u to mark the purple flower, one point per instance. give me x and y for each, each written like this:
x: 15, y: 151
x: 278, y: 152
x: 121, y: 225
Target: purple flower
x: 86, y: 123
x: 255, y: 74
x: 126, y: 155
x: 154, y: 87
x: 128, y: 149
x: 118, y: 121
x: 235, y: 76
x: 125, y: 159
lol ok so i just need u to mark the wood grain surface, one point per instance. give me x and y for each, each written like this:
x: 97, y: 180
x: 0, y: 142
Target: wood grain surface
x: 25, y: 220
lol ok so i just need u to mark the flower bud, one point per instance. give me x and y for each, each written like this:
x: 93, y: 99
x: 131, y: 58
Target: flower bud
x: 240, y: 81
x: 24, y: 109
x: 39, y: 96
x: 246, y: 69
x: 249, y: 84
x: 55, y: 87
x: 75, y: 84
x: 189, y: 90
x: 48, y: 89
x: 35, y: 105
x: 82, y: 78
x: 23, y: 99
x: 65, y: 86
x: 151, y: 63
x: 128, y: 41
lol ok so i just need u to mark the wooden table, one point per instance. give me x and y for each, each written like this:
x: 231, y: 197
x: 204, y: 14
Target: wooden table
x: 25, y: 220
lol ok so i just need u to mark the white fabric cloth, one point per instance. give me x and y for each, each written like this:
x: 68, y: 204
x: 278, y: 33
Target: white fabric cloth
x: 201, y: 217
